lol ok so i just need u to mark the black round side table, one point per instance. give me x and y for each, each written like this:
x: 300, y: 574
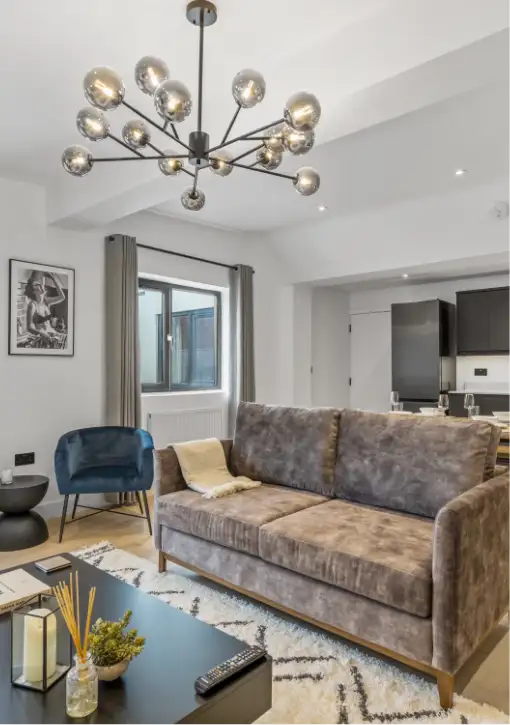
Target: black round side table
x: 21, y: 528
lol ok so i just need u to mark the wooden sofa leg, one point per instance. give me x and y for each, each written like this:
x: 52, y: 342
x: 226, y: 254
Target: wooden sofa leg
x: 162, y: 562
x: 445, y: 683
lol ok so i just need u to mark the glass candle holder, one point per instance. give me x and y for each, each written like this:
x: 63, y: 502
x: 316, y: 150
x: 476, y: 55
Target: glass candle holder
x: 40, y: 644
x: 81, y: 688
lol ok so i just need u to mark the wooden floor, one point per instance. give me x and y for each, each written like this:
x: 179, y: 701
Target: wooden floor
x: 484, y: 678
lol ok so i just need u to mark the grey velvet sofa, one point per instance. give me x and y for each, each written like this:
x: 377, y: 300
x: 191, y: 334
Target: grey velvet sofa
x: 390, y: 531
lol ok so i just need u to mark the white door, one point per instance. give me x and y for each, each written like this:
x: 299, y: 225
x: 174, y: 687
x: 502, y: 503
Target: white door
x: 371, y: 361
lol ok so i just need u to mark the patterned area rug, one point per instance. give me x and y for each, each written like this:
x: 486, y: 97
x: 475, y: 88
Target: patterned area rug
x: 317, y: 678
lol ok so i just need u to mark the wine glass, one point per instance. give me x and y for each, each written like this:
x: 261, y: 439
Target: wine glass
x: 444, y: 402
x: 469, y: 400
x: 394, y: 399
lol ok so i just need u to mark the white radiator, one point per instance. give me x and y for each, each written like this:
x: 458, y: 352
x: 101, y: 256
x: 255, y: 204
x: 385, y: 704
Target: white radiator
x: 178, y: 426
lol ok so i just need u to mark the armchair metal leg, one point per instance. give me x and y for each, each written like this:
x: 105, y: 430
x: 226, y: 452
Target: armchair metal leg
x: 147, y: 512
x: 75, y: 505
x: 63, y: 518
x: 137, y: 494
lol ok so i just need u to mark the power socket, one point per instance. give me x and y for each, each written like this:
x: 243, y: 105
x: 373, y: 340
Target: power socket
x: 481, y: 372
x: 24, y: 459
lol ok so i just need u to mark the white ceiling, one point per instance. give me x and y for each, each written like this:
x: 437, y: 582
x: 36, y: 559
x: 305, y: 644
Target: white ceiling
x: 410, y: 90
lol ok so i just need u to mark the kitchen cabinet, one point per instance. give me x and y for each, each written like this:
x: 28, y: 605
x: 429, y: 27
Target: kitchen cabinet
x: 488, y: 403
x: 483, y: 322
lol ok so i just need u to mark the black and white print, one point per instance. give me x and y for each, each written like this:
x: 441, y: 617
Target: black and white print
x: 41, y: 309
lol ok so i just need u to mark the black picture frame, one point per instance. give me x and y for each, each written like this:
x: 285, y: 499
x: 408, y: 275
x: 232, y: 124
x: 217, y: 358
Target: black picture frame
x: 55, y: 335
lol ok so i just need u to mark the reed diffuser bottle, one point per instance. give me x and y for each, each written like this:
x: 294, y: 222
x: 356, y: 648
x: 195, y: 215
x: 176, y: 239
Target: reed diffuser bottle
x: 81, y: 680
x: 81, y: 688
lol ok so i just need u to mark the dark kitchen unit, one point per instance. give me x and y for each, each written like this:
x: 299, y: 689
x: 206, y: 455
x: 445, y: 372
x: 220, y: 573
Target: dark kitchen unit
x: 483, y: 322
x: 422, y: 352
x: 488, y: 402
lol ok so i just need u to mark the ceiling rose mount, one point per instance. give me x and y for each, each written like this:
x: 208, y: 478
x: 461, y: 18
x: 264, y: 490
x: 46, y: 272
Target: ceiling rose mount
x: 105, y: 91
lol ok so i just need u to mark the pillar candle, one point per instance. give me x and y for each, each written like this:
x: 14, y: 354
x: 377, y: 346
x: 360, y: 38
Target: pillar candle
x: 33, y: 645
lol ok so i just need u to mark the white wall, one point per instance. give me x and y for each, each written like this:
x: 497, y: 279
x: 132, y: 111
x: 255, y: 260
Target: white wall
x: 330, y: 347
x: 42, y: 398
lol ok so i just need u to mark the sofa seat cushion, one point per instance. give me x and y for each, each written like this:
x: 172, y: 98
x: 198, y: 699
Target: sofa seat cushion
x: 235, y: 520
x: 294, y: 447
x: 409, y: 463
x: 379, y: 554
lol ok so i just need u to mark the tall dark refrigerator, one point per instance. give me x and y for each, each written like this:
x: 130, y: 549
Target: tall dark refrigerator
x: 422, y: 352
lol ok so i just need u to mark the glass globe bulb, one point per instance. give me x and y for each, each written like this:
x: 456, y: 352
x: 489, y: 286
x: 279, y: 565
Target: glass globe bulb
x: 307, y: 181
x: 149, y: 73
x: 136, y: 134
x: 248, y: 88
x: 103, y: 88
x: 193, y: 200
x: 220, y: 164
x: 170, y: 167
x: 298, y: 142
x: 92, y: 124
x: 77, y: 160
x: 269, y: 159
x: 274, y: 140
x: 302, y: 111
x: 173, y: 101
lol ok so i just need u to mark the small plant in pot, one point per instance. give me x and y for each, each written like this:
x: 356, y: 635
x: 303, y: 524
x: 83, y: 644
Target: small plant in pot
x: 112, y: 647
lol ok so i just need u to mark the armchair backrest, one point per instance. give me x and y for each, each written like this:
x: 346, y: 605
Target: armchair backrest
x: 111, y: 446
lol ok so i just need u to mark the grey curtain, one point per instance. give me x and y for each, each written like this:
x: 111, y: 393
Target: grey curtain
x: 123, y: 394
x: 242, y: 348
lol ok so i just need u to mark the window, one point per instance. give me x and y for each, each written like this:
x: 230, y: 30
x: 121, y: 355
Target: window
x: 179, y: 337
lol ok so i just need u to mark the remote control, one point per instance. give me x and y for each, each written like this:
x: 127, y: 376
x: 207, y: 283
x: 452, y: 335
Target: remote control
x: 223, y: 672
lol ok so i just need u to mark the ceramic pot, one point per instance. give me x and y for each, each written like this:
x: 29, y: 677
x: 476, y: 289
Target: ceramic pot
x: 112, y: 672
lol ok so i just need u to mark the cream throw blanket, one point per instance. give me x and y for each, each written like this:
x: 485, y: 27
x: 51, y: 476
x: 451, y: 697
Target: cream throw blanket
x: 204, y: 469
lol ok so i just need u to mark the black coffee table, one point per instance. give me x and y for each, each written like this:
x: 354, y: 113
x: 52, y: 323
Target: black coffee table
x: 21, y: 528
x: 158, y: 686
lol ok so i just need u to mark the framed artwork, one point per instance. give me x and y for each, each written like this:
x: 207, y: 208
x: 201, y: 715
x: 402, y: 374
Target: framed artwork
x: 41, y: 309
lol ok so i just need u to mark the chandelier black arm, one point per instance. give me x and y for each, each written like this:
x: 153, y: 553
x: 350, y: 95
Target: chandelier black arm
x: 174, y: 130
x: 156, y: 125
x: 263, y: 171
x: 247, y: 153
x: 244, y: 136
x: 195, y: 180
x: 119, y: 141
x: 234, y: 119
x: 158, y: 151
x: 140, y: 158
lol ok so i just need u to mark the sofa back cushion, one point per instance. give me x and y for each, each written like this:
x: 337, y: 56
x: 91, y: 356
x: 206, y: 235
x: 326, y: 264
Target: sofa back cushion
x: 291, y: 446
x: 414, y: 464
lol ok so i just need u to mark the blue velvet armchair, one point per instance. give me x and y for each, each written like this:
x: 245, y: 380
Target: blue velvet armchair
x: 108, y: 459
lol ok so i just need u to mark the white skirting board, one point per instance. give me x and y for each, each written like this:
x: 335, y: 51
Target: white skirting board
x: 178, y: 426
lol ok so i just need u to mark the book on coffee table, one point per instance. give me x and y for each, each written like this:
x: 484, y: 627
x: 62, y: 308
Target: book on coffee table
x: 17, y: 587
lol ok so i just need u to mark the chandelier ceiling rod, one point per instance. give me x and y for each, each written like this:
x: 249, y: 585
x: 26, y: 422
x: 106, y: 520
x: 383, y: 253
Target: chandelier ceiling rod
x: 105, y: 91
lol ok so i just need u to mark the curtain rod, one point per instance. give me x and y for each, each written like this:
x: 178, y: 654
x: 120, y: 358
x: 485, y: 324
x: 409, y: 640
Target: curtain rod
x: 188, y: 256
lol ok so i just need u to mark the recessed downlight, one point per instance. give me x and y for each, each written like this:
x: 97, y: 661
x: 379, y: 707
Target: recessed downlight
x: 322, y: 208
x: 405, y: 276
x: 460, y: 172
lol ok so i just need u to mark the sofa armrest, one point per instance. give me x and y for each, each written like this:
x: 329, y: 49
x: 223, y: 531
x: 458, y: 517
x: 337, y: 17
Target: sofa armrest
x: 469, y: 571
x: 168, y: 471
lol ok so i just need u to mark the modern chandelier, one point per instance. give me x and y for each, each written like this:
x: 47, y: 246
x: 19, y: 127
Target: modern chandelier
x: 105, y: 91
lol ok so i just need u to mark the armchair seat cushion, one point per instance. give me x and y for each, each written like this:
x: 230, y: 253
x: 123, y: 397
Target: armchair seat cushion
x: 106, y: 479
x: 232, y: 521
x: 379, y: 554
